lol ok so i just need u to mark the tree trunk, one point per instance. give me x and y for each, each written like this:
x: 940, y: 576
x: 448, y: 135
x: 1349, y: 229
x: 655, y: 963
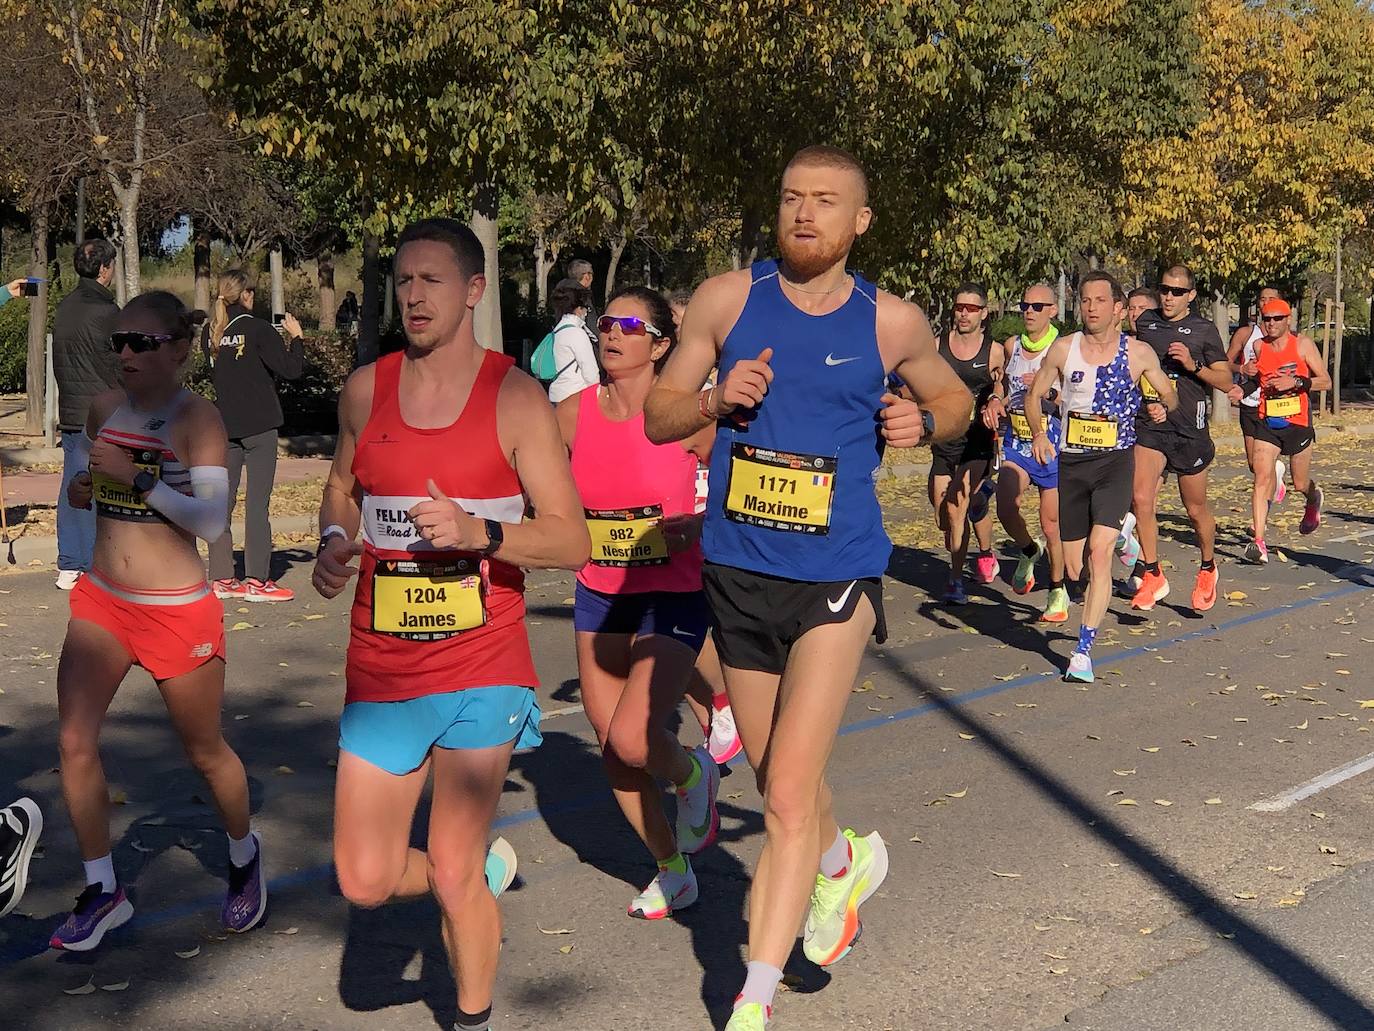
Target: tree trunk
x: 1221, y: 317
x: 36, y: 370
x: 541, y: 270
x: 1063, y: 294
x: 388, y: 299
x: 201, y: 262
x: 128, y: 229
x: 617, y: 249
x: 118, y: 282
x: 367, y: 319
x: 324, y: 267
x: 274, y: 263
x: 80, y: 228
x: 487, y: 318
x: 747, y: 249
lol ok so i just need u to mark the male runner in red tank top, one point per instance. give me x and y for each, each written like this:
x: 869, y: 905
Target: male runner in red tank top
x: 439, y: 447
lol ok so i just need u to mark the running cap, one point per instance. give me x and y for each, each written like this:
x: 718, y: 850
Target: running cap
x: 1275, y: 306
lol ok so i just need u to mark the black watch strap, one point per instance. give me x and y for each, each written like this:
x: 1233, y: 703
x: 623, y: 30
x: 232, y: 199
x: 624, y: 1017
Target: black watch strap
x: 144, y: 482
x: 496, y: 536
x: 927, y: 425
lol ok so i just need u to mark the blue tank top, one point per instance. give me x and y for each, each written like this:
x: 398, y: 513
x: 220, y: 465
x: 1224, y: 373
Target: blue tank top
x: 791, y: 488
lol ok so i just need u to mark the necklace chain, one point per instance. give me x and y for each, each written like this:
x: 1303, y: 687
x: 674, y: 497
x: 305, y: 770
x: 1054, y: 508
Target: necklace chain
x: 816, y: 293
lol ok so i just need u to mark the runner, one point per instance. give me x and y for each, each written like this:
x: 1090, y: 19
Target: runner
x: 21, y: 824
x: 794, y: 539
x: 1242, y: 352
x: 159, y: 481
x: 1190, y: 352
x: 1287, y: 366
x: 1097, y: 371
x: 640, y: 616
x: 1020, y: 468
x: 439, y: 672
x: 959, y: 467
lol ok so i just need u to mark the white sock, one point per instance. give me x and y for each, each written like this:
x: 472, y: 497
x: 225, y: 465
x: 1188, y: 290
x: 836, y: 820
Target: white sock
x: 835, y: 859
x: 100, y: 871
x: 760, y: 985
x: 242, y: 850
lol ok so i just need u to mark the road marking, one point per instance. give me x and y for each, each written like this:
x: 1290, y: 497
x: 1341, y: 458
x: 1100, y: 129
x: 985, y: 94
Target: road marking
x: 18, y: 949
x: 1316, y: 785
x: 1351, y: 537
x: 570, y: 710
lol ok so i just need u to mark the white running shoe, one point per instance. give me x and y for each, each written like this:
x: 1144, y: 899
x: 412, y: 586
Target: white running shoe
x: 698, y: 821
x: 67, y: 579
x: 1280, y: 488
x: 723, y: 741
x: 665, y: 894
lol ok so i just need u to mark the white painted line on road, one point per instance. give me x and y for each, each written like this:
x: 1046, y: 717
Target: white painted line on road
x: 570, y: 710
x: 1351, y: 537
x: 1317, y: 784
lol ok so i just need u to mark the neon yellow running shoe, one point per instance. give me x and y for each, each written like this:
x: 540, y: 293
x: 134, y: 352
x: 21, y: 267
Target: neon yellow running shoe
x: 749, y: 1017
x: 832, y: 924
x: 1023, y: 580
x: 1057, y: 607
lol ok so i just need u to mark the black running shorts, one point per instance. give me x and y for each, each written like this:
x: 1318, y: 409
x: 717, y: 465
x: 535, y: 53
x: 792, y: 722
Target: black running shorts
x: 978, y: 445
x: 758, y: 618
x: 1290, y: 440
x: 1249, y: 420
x: 1184, y: 453
x: 1094, y: 490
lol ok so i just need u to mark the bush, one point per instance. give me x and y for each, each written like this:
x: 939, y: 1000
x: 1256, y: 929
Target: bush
x: 14, y: 341
x: 310, y: 404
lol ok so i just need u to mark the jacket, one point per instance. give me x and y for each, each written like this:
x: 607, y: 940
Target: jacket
x: 246, y: 361
x: 82, y: 361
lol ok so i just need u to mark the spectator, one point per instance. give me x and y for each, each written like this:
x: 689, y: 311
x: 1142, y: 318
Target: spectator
x: 580, y: 270
x: 14, y: 289
x: 247, y: 355
x: 347, y: 318
x: 574, y: 353
x: 83, y: 366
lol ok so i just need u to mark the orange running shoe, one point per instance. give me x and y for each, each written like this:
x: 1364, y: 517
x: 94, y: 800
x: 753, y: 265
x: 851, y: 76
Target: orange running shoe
x: 1205, y: 590
x: 1153, y: 588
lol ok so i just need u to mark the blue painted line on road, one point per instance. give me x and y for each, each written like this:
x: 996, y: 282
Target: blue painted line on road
x: 17, y: 951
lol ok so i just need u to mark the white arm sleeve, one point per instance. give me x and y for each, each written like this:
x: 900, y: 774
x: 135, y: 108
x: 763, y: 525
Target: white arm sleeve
x: 206, y: 512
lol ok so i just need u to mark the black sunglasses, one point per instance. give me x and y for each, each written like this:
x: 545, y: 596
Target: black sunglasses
x: 138, y: 343
x: 1175, y: 291
x: 1035, y: 306
x: 1272, y: 318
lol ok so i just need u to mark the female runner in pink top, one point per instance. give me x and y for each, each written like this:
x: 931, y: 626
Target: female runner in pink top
x: 640, y: 616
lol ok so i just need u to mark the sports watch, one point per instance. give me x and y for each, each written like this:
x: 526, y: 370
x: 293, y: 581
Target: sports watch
x: 144, y: 482
x: 496, y: 536
x: 927, y: 426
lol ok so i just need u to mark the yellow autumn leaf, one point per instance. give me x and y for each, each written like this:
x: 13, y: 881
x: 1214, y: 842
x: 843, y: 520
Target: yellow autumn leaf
x: 956, y: 794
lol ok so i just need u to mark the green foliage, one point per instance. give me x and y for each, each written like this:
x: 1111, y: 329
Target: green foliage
x: 14, y: 346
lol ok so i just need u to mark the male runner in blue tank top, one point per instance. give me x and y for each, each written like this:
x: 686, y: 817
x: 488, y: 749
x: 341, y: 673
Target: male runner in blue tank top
x: 794, y: 536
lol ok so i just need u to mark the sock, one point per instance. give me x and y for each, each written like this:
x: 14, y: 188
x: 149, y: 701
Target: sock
x: 473, y: 1021
x: 693, y: 778
x: 1086, y: 636
x: 1138, y: 570
x: 760, y: 985
x: 242, y: 850
x: 1152, y: 567
x: 720, y: 701
x: 1056, y: 585
x: 100, y: 871
x: 1029, y: 549
x: 835, y: 859
x: 676, y: 863
x: 1209, y: 565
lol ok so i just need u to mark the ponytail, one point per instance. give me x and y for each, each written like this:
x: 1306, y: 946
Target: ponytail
x: 233, y: 284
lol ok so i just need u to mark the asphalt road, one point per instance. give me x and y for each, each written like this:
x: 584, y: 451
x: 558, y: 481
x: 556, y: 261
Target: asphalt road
x: 1058, y: 852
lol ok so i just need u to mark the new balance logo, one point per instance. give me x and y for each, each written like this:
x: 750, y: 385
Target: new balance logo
x: 203, y: 651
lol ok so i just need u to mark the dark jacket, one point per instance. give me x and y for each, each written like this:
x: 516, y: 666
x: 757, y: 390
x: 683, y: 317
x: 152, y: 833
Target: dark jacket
x: 247, y: 360
x: 82, y: 361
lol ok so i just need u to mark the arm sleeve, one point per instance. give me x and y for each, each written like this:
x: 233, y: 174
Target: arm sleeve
x: 206, y: 512
x: 285, y: 360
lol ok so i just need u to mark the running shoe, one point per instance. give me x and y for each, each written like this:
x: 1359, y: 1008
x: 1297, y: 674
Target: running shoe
x: 1280, y: 489
x: 229, y: 589
x: 266, y: 590
x: 978, y: 504
x: 832, y: 923
x: 501, y: 864
x: 752, y: 1016
x: 723, y: 742
x: 1257, y: 552
x: 1056, y: 607
x: 1127, y: 587
x: 20, y: 825
x: 666, y: 893
x: 987, y: 567
x: 698, y: 820
x: 955, y: 593
x: 246, y: 901
x: 1153, y: 588
x: 1126, y: 535
x: 67, y: 578
x: 1205, y: 590
x: 1128, y: 550
x: 1312, y: 515
x: 1023, y: 580
x: 1080, y: 668
x: 97, y: 912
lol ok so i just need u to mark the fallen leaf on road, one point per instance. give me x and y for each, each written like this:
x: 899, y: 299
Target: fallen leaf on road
x: 284, y: 770
x: 190, y: 953
x: 565, y: 949
x: 916, y: 838
x: 1239, y: 719
x: 1303, y: 724
x: 119, y: 797
x: 1367, y: 703
x: 967, y: 737
x: 241, y: 625
x: 1246, y: 895
x: 1055, y: 955
x: 315, y: 615
x: 1128, y: 801
x: 1057, y: 971
x: 1123, y: 773
x: 956, y: 794
x: 288, y: 930
x: 1025, y: 705
x: 1008, y: 876
x: 303, y: 704
x: 1163, y: 802
x: 1228, y: 937
x: 1343, y: 672
x: 1326, y: 850
x: 1319, y: 815
x: 119, y: 986
x: 85, y: 989
x: 1236, y: 596
x: 1154, y: 748
x: 556, y: 930
x: 1212, y: 801
x: 867, y: 685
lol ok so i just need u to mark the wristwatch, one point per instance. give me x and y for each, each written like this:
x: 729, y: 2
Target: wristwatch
x: 496, y: 536
x: 927, y: 426
x: 144, y: 482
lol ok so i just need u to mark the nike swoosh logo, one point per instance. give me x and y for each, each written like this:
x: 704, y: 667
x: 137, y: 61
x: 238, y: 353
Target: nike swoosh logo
x: 983, y: 366
x: 830, y: 359
x: 513, y: 718
x: 838, y: 603
x: 681, y: 633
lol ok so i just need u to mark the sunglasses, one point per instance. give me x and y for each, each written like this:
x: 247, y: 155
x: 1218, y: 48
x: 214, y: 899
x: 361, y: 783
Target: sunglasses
x: 1035, y: 306
x: 968, y: 309
x: 629, y: 325
x: 138, y: 343
x: 1272, y: 318
x: 1175, y: 291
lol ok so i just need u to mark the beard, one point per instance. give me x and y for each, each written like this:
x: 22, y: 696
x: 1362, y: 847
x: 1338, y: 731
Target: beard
x: 807, y: 258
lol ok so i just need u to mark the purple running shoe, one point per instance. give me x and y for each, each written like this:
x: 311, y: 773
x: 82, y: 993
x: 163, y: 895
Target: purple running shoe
x: 96, y: 913
x: 246, y: 902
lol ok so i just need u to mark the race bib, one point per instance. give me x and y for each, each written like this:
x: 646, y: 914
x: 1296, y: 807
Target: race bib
x: 1147, y: 390
x: 1020, y: 425
x: 427, y: 601
x: 121, y: 501
x: 780, y: 490
x: 627, y: 536
x: 1285, y: 407
x: 1090, y: 432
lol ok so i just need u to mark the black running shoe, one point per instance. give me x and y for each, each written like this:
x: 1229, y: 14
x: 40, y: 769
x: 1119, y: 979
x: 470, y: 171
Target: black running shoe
x: 20, y: 825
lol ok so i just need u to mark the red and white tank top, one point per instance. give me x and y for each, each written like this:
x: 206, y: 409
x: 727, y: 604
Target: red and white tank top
x: 627, y: 484
x: 1283, y: 361
x: 147, y: 438
x: 424, y: 621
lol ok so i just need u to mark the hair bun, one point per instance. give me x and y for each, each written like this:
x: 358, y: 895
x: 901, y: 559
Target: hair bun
x: 196, y: 317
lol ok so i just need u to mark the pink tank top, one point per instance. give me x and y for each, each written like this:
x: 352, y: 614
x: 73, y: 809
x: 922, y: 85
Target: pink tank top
x: 627, y: 484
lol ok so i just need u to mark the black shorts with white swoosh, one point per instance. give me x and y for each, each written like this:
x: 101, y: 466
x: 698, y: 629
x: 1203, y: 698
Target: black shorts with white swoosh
x: 758, y: 618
